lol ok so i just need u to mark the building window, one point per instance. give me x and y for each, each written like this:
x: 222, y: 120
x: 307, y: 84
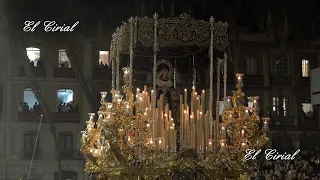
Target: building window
x: 34, y: 56
x: 305, y: 68
x: 66, y: 145
x: 65, y: 100
x: 281, y: 67
x: 104, y: 58
x: 275, y: 106
x: 30, y: 103
x: 63, y: 59
x: 251, y: 68
x: 30, y: 141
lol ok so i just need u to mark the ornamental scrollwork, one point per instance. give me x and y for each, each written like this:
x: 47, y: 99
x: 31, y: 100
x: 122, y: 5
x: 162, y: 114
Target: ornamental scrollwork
x: 173, y: 32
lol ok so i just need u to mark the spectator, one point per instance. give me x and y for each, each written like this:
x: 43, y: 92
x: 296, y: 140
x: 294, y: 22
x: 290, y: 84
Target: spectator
x: 305, y: 166
x: 20, y: 107
x: 36, y: 107
x: 25, y: 107
x: 60, y: 106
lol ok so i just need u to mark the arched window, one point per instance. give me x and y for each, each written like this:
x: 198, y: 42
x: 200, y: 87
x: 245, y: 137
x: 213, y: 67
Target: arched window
x: 34, y: 56
x: 66, y: 145
x: 29, y: 100
x: 65, y: 100
x: 104, y: 58
x: 63, y: 59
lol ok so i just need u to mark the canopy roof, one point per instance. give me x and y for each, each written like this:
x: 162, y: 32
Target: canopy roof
x: 177, y: 36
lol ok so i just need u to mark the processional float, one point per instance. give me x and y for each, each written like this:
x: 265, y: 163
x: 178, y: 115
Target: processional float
x: 138, y: 135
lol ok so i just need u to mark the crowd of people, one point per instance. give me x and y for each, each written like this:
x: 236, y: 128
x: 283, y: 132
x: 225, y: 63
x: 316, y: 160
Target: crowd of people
x: 67, y: 107
x: 24, y: 107
x: 305, y: 166
x: 62, y: 107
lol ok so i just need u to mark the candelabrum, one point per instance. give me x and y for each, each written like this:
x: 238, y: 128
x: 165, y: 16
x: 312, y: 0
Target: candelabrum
x: 241, y: 128
x: 132, y: 137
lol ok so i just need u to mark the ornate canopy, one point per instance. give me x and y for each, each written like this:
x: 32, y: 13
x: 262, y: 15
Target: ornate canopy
x: 177, y: 36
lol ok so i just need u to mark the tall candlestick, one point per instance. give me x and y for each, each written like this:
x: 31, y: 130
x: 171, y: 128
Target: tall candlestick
x: 203, y: 101
x: 185, y: 97
x: 194, y: 81
x: 181, y: 118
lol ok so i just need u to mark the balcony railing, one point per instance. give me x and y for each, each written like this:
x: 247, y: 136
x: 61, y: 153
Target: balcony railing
x: 27, y: 155
x: 29, y: 117
x: 57, y: 117
x: 65, y: 117
x: 253, y: 80
x: 276, y: 80
x: 279, y: 127
x: 304, y: 82
x: 62, y: 72
x: 74, y: 154
x: 101, y: 73
x: 37, y: 71
x: 307, y: 125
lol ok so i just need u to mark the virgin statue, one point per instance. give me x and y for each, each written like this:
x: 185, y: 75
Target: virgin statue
x: 165, y: 87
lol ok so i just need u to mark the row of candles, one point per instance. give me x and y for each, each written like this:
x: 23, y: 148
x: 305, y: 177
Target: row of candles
x: 194, y: 120
x: 162, y: 129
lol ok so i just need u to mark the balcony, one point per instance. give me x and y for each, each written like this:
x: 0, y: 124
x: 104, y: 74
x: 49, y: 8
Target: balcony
x: 27, y: 154
x: 304, y: 82
x: 253, y: 80
x: 61, y: 72
x: 308, y: 125
x: 37, y: 71
x: 74, y: 154
x: 101, y: 73
x: 277, y: 80
x: 30, y: 117
x: 63, y: 117
x: 57, y: 117
x: 280, y: 127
